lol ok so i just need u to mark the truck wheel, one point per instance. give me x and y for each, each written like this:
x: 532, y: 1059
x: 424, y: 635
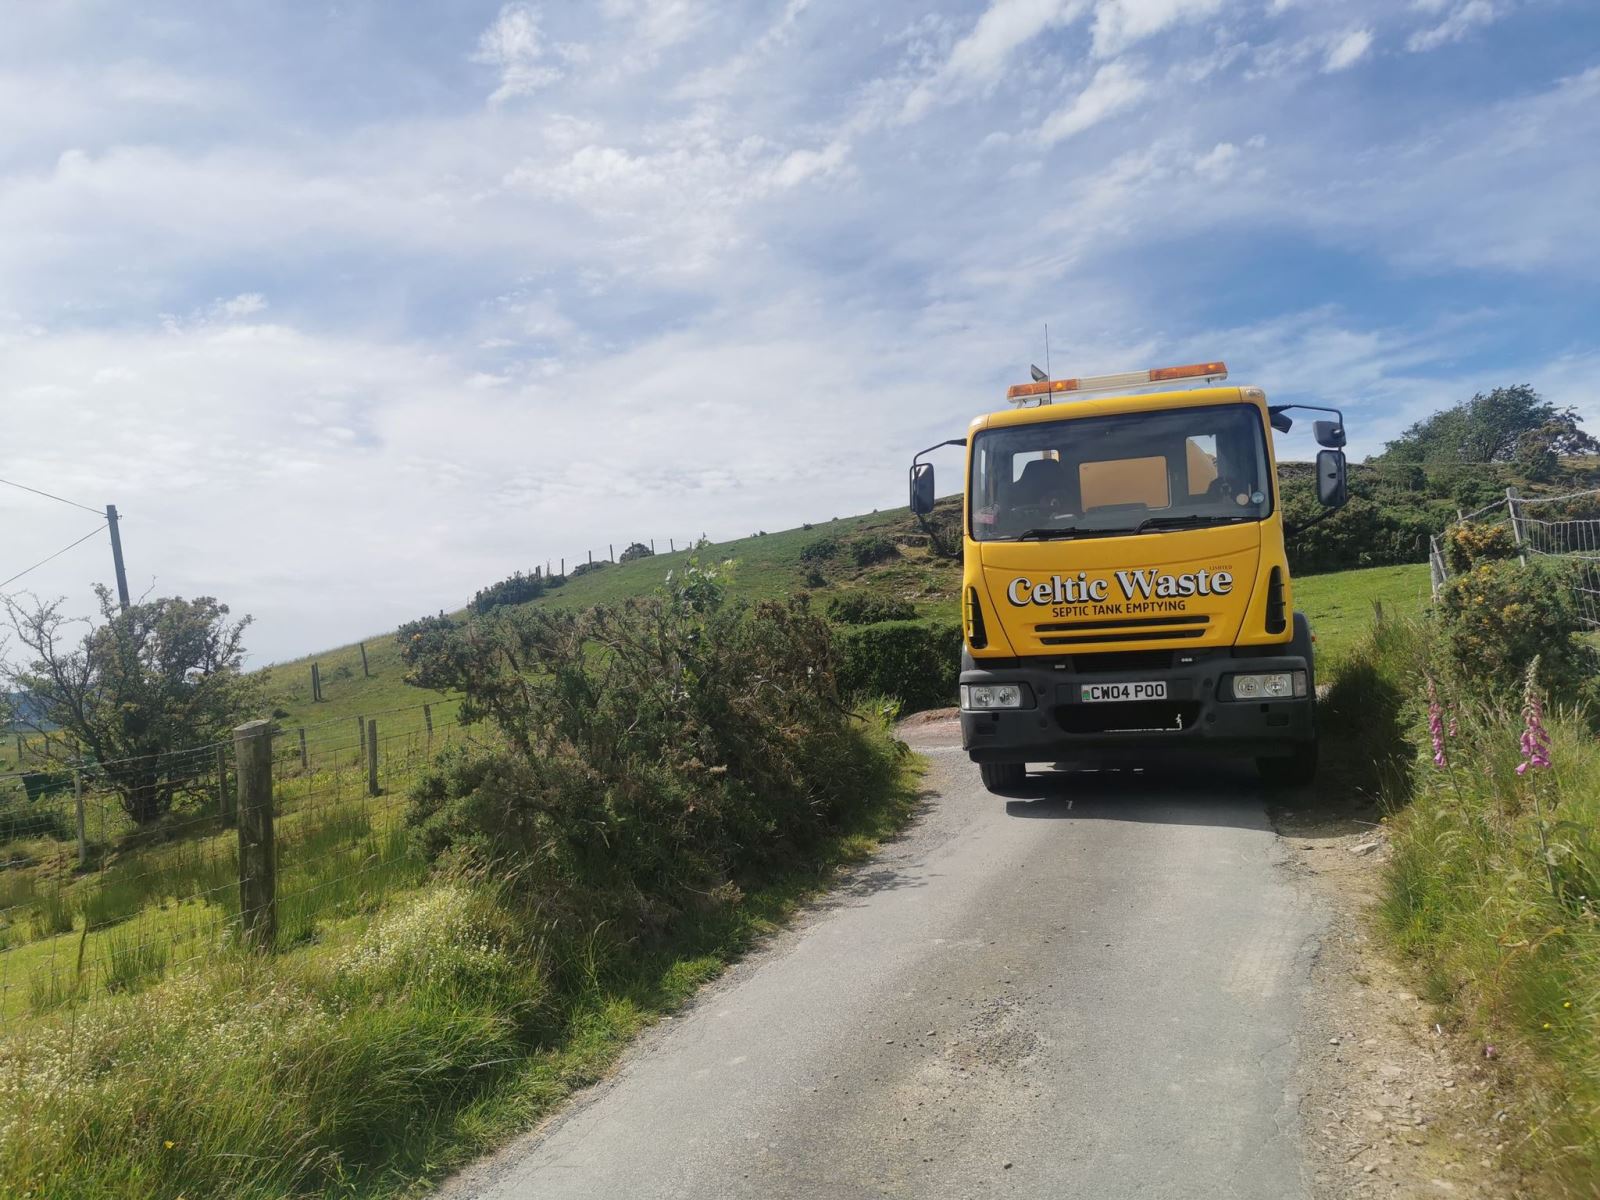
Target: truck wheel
x: 1003, y: 777
x: 1299, y: 769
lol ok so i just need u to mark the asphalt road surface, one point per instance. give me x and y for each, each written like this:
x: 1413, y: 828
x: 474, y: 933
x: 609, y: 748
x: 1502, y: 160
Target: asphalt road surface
x: 1090, y: 993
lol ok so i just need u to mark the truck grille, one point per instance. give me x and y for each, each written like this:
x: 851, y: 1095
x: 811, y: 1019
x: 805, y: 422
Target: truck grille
x: 1139, y: 629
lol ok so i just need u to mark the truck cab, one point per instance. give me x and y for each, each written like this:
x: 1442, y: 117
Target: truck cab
x: 1125, y: 588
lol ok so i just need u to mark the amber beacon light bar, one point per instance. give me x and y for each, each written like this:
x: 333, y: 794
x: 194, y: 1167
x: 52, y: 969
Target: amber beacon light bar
x: 1043, y: 391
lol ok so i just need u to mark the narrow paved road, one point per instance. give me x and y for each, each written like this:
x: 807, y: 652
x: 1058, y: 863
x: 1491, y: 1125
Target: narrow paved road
x: 1092, y: 993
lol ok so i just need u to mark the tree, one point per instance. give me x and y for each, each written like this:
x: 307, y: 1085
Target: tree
x: 157, y: 678
x: 1507, y: 425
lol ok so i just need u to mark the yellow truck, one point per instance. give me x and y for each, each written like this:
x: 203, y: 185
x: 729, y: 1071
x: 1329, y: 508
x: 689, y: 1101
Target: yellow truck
x: 1125, y: 590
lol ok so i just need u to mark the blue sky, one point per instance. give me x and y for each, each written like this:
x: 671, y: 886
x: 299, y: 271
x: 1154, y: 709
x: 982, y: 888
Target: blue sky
x: 417, y: 295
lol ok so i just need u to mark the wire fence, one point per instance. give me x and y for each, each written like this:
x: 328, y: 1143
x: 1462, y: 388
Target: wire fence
x: 93, y: 901
x: 1565, y: 527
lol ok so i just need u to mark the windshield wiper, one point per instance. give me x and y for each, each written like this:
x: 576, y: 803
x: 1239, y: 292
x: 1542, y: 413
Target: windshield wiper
x: 1189, y: 522
x: 1062, y: 532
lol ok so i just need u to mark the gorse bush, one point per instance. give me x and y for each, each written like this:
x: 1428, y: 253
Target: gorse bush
x: 821, y: 550
x: 914, y: 662
x: 1468, y: 544
x: 868, y: 608
x: 518, y: 589
x: 871, y: 548
x: 654, y: 754
x: 1496, y: 618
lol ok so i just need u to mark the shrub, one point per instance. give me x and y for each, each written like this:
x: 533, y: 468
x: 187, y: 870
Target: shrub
x: 1468, y: 544
x: 637, y: 550
x: 865, y: 608
x: 872, y: 548
x: 518, y: 589
x: 584, y: 568
x: 915, y: 662
x: 821, y: 550
x: 1498, y: 616
x: 655, y: 753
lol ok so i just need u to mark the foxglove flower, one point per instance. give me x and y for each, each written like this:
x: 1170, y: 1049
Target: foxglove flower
x: 1535, y: 741
x: 1436, y: 725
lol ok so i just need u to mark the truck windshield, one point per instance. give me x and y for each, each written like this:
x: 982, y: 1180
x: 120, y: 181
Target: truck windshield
x: 1179, y: 468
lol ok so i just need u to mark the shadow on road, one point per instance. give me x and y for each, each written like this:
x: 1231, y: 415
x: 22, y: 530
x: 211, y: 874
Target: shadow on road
x: 1222, y: 794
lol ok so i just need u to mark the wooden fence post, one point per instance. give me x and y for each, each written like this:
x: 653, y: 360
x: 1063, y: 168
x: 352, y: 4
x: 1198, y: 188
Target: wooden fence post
x: 361, y: 739
x: 672, y: 546
x: 1512, y: 496
x: 365, y: 674
x: 227, y: 810
x: 611, y: 552
x: 252, y: 750
x: 305, y: 759
x: 77, y: 804
x: 372, y: 757
x: 316, y: 684
x: 427, y: 719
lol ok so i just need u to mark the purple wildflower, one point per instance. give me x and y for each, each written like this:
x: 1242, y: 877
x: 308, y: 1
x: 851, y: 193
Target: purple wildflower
x: 1436, y: 725
x: 1535, y: 741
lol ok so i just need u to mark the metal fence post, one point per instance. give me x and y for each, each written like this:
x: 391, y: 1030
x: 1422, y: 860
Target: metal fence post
x: 1436, y: 570
x: 252, y: 749
x: 372, y: 757
x: 427, y: 719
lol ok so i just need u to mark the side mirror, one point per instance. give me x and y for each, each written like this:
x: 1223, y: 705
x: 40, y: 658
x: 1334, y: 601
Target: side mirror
x: 922, y: 489
x: 1281, y: 421
x: 1332, y: 489
x: 1329, y: 434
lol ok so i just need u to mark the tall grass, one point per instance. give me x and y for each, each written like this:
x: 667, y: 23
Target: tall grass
x: 379, y: 1053
x: 1493, y: 887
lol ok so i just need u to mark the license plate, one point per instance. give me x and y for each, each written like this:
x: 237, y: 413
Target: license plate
x: 1094, y: 693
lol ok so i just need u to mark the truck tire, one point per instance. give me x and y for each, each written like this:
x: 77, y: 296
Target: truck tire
x: 1003, y: 777
x: 1297, y: 770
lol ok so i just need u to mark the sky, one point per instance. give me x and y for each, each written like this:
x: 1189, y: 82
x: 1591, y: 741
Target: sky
x: 352, y: 309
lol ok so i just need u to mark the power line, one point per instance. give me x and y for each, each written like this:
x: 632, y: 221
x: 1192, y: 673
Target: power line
x: 57, y: 554
x: 47, y: 495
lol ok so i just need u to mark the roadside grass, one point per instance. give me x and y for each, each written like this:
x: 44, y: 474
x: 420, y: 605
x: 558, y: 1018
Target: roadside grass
x: 1340, y: 605
x: 376, y: 1055
x: 1492, y: 892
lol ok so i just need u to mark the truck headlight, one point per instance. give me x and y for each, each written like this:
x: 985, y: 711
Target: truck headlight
x: 995, y: 695
x: 1274, y: 685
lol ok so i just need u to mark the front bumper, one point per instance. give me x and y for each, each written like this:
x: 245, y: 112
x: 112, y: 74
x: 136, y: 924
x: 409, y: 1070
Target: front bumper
x: 1195, y: 717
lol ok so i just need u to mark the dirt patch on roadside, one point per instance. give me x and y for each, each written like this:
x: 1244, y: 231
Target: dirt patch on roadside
x: 1391, y: 1104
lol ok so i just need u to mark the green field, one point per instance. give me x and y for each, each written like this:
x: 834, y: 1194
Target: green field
x: 1340, y: 605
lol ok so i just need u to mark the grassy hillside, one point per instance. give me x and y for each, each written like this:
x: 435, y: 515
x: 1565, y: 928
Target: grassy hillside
x: 770, y: 565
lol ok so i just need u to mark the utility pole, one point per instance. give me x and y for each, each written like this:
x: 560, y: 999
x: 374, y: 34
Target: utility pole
x: 116, y: 556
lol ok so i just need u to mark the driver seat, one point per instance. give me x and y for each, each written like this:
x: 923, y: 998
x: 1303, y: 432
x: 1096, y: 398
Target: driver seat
x: 1043, y: 482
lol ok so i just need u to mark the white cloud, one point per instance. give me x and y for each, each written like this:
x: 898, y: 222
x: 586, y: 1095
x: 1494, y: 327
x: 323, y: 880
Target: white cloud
x: 982, y: 55
x: 514, y: 45
x: 1113, y: 88
x: 1461, y: 21
x: 1348, y: 50
x: 246, y: 304
x: 1218, y: 161
x: 1120, y: 23
x: 657, y: 23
